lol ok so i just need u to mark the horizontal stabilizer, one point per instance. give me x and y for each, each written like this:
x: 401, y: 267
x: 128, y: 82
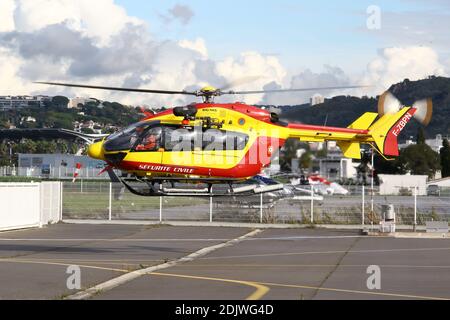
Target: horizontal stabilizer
x: 350, y: 149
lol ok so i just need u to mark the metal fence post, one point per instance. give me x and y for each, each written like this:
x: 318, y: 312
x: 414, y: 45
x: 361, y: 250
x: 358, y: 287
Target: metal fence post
x: 261, y: 208
x: 363, y: 203
x: 110, y: 202
x: 312, y: 204
x: 415, y: 209
x: 210, y: 209
x: 160, y: 209
x: 61, y: 201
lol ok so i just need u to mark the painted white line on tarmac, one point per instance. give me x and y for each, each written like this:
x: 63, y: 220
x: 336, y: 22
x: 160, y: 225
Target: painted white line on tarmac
x: 110, y: 240
x: 110, y: 284
x: 175, y: 239
x: 324, y: 252
x: 179, y: 239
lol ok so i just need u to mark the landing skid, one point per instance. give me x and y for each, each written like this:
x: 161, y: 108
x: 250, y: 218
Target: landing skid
x: 160, y: 187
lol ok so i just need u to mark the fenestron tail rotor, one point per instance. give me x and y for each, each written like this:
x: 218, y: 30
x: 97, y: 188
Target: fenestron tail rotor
x: 389, y: 104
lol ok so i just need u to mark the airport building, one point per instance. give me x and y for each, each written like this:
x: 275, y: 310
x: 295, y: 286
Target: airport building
x: 57, y: 166
x: 391, y: 184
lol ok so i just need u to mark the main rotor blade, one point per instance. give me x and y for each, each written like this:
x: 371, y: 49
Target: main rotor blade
x: 294, y: 90
x: 240, y: 81
x: 117, y: 89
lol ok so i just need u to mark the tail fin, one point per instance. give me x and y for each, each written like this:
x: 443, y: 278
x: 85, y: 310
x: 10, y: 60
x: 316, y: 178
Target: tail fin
x: 364, y: 121
x: 386, y: 130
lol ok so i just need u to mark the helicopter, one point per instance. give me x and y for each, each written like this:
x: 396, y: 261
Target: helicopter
x: 203, y: 146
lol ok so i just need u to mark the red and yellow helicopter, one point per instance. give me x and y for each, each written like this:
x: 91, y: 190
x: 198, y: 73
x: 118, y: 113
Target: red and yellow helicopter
x: 210, y: 144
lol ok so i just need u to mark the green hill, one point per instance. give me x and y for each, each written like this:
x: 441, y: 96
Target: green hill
x: 343, y: 110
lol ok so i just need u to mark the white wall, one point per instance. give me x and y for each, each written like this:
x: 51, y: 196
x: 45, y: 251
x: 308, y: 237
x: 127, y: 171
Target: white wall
x: 445, y: 182
x: 20, y: 205
x: 390, y: 184
x: 24, y: 205
x: 51, y: 200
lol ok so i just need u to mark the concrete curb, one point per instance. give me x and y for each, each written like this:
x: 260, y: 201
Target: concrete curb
x: 233, y: 224
x: 411, y: 235
x: 115, y: 282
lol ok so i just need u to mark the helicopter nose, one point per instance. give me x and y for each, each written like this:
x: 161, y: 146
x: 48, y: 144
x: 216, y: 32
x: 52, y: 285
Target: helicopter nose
x: 95, y: 151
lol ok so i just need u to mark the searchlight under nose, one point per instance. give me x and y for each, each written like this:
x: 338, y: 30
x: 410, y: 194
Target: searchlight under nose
x: 95, y: 151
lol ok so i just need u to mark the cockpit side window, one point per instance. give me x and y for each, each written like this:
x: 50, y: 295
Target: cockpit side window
x: 149, y: 140
x: 127, y: 138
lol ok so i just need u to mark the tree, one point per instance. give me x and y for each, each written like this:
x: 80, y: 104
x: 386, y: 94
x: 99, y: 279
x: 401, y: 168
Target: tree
x: 290, y: 152
x: 421, y: 136
x: 60, y: 101
x: 445, y: 159
x: 419, y: 159
x: 306, y: 160
x: 87, y: 130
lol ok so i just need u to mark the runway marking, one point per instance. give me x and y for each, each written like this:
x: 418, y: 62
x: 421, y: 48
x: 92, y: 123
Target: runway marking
x: 261, y: 290
x: 78, y: 262
x: 306, y: 266
x: 110, y: 284
x: 397, y: 295
x: 262, y: 293
x: 261, y: 286
x: 309, y: 237
x: 323, y: 252
x: 62, y: 264
x: 177, y: 239
x: 112, y: 240
x: 91, y: 260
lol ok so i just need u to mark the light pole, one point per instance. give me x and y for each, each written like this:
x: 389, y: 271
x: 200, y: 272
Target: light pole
x: 10, y: 153
x: 371, y: 183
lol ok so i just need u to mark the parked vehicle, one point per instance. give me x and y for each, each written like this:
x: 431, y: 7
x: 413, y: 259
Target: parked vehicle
x: 433, y: 190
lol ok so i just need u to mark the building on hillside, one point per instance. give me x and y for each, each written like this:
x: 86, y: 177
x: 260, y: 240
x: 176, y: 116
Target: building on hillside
x: 28, y: 119
x: 435, y: 143
x: 20, y: 102
x: 317, y: 99
x: 76, y: 102
x: 92, y: 125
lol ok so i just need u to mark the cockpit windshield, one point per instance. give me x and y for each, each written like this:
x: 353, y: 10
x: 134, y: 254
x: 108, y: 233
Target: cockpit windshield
x: 127, y: 138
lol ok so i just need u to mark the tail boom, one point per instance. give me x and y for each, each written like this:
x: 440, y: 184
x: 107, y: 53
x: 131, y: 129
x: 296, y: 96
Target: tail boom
x: 383, y: 133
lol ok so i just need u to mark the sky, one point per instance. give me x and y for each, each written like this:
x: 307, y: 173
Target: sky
x: 178, y: 45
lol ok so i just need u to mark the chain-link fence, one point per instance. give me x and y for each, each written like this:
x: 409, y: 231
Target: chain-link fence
x: 105, y: 200
x: 54, y: 172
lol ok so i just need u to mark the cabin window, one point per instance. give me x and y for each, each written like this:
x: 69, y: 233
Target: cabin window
x: 192, y: 139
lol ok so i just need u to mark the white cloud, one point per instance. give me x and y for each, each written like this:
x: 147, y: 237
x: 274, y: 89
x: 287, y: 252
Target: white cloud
x: 330, y: 77
x: 252, y: 64
x: 198, y: 45
x: 6, y: 15
x: 72, y: 41
x: 98, y: 19
x: 395, y: 64
x: 65, y: 40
